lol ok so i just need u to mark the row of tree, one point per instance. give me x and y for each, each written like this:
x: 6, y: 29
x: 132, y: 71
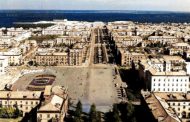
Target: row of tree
x: 93, y: 115
x: 123, y: 112
x: 10, y: 112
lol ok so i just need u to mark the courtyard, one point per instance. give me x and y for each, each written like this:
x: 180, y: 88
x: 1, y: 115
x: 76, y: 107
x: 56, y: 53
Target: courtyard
x: 88, y: 84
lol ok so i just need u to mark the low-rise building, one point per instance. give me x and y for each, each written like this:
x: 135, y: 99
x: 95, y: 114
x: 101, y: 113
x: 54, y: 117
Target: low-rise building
x: 14, y: 56
x: 128, y: 57
x: 181, y: 45
x: 163, y: 39
x: 3, y: 64
x: 55, y: 105
x: 179, y: 102
x: 157, y: 109
x: 57, y: 58
x: 25, y: 101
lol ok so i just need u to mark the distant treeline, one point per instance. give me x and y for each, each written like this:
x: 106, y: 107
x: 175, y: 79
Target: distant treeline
x: 26, y: 26
x: 43, y: 37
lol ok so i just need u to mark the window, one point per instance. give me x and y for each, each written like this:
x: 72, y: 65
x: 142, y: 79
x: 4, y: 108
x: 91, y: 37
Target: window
x: 48, y: 116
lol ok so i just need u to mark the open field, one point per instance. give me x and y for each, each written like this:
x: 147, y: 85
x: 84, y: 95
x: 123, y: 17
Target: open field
x: 90, y: 85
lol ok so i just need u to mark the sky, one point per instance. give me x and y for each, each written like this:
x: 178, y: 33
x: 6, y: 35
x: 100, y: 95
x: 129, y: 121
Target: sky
x: 157, y: 5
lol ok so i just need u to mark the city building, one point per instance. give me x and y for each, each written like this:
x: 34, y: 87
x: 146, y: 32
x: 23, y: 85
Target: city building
x: 164, y: 75
x: 55, y: 105
x: 3, y: 64
x: 25, y: 101
x: 157, y: 109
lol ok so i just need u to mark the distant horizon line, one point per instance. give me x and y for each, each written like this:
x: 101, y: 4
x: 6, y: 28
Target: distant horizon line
x: 171, y: 11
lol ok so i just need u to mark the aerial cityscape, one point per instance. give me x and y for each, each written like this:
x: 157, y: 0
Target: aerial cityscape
x: 87, y: 63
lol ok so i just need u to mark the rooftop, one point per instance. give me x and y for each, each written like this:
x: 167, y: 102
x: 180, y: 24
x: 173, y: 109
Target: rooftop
x: 20, y: 94
x: 159, y: 108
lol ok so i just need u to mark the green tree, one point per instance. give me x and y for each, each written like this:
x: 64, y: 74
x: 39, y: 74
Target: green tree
x: 116, y: 117
x: 130, y: 109
x: 78, y: 110
x: 99, y: 117
x: 92, y: 114
x: 77, y: 119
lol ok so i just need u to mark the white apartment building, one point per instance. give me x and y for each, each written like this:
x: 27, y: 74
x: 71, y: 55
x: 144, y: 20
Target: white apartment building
x: 54, y: 30
x: 67, y: 40
x: 14, y: 56
x: 6, y: 41
x: 175, y: 51
x: 168, y: 82
x: 163, y: 39
x: 3, y: 64
x: 181, y: 45
x: 131, y: 41
x: 187, y: 54
x: 23, y: 36
x: 143, y: 31
x: 15, y: 31
x: 163, y: 77
x: 1, y: 31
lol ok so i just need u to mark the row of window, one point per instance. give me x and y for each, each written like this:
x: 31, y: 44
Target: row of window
x: 48, y: 115
x: 155, y: 84
x: 159, y: 89
x: 178, y: 104
x: 170, y: 79
x: 21, y: 102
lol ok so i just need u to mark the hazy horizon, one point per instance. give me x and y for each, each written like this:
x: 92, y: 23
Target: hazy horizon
x: 109, y: 11
x: 133, y: 5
